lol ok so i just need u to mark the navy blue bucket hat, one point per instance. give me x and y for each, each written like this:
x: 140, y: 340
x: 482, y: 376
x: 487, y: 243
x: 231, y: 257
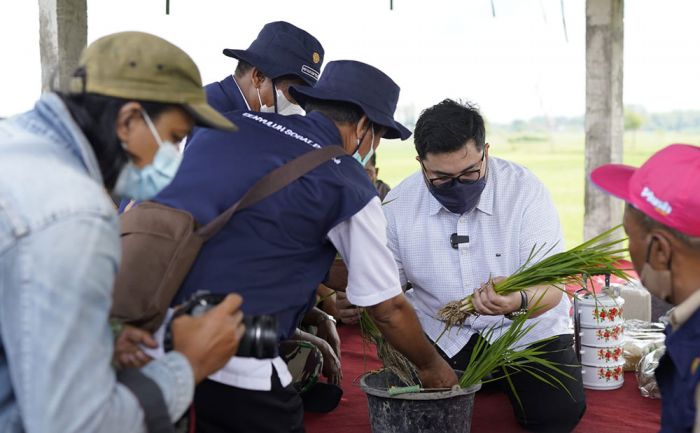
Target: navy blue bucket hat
x: 361, y: 84
x: 283, y: 49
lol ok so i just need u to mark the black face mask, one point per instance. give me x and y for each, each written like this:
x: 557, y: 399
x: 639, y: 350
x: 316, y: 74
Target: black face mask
x: 459, y: 197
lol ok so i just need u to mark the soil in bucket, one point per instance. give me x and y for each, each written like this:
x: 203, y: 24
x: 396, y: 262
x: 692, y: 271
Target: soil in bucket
x: 418, y: 412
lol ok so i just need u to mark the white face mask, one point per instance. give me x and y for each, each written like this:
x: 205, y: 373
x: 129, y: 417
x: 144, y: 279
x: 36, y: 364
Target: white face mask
x: 264, y: 108
x: 284, y: 106
x: 145, y: 183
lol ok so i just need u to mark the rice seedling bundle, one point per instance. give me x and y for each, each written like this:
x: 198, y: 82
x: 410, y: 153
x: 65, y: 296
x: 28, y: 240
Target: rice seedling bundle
x: 597, y: 256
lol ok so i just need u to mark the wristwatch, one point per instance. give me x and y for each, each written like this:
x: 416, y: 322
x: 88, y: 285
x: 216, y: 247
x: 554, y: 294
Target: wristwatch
x: 520, y: 311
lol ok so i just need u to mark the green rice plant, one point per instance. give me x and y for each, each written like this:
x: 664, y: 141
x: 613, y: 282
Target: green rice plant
x: 392, y: 359
x: 597, y: 256
x: 505, y: 356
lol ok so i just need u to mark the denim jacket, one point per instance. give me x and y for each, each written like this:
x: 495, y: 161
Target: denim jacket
x: 59, y: 252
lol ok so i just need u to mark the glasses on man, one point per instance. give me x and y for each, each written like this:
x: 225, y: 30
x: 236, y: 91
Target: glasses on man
x: 468, y: 176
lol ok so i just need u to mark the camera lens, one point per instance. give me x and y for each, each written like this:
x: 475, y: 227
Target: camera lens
x: 260, y: 338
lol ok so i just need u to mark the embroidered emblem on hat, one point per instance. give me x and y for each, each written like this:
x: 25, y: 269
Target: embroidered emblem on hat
x: 311, y: 72
x: 316, y: 57
x: 662, y: 207
x: 694, y: 365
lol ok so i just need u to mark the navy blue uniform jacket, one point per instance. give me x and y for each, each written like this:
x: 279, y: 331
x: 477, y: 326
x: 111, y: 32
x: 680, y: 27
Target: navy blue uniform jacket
x: 276, y: 252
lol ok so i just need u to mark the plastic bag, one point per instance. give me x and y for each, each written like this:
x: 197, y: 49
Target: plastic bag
x: 646, y: 379
x: 641, y: 337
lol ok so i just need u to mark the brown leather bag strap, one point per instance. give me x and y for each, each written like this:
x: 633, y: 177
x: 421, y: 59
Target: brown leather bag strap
x: 271, y: 183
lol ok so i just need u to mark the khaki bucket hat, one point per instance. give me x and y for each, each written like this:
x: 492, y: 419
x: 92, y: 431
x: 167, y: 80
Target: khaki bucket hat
x: 141, y: 66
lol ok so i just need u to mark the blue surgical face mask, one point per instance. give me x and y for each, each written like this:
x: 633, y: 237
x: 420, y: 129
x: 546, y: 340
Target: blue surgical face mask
x: 459, y: 197
x: 145, y: 183
x: 456, y: 196
x: 357, y: 156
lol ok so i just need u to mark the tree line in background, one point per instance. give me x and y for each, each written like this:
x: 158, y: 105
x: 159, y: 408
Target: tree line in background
x: 636, y: 119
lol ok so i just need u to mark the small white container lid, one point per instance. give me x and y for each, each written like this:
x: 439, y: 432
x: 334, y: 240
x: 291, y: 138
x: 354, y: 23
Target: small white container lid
x: 600, y: 299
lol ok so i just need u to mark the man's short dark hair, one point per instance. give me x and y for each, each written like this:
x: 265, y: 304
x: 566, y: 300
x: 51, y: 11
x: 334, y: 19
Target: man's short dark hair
x: 242, y: 68
x: 649, y: 224
x: 447, y: 127
x: 339, y: 111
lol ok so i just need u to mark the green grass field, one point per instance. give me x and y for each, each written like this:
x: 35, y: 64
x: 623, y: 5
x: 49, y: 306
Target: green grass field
x: 558, y: 160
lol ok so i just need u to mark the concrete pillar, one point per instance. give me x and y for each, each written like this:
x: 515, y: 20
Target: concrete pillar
x: 62, y: 37
x: 604, y: 108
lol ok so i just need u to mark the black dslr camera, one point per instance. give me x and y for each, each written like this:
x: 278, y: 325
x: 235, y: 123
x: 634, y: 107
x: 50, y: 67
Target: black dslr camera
x: 259, y: 340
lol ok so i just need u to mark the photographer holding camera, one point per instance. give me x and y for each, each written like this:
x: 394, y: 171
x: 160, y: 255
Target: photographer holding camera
x: 133, y: 96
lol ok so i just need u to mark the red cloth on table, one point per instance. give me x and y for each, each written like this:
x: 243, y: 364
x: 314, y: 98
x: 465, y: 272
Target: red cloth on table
x: 619, y: 411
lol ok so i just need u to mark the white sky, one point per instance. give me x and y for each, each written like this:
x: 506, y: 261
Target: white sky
x: 516, y: 65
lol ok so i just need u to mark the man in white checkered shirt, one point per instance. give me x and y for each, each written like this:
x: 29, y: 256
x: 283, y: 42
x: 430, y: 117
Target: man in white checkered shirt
x: 465, y: 217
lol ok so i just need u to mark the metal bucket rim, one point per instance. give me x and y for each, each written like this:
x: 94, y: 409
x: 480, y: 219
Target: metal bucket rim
x: 440, y: 395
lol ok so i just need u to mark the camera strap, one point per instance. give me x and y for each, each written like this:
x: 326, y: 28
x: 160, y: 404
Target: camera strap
x: 160, y: 243
x: 150, y: 397
x: 273, y: 182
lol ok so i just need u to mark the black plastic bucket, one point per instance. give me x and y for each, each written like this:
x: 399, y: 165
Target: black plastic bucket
x: 420, y: 412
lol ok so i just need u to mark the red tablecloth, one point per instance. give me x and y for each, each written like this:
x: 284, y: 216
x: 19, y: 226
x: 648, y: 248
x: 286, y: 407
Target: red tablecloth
x: 619, y: 411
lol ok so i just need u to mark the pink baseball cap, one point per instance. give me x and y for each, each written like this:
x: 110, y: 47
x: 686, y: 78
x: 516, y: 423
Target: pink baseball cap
x: 666, y: 187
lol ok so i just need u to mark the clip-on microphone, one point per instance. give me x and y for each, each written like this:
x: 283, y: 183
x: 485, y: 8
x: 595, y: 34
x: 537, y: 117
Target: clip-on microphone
x: 455, y: 240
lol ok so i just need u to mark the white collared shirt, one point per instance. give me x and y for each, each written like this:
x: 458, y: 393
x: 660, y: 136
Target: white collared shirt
x: 682, y: 312
x: 361, y: 241
x: 515, y: 212
x: 241, y: 90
